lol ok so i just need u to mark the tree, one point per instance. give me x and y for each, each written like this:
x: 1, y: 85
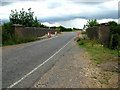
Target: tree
x: 91, y: 23
x: 23, y: 17
x: 76, y: 28
x: 113, y: 23
x: 114, y: 34
x: 36, y: 23
x: 53, y: 27
x: 61, y: 28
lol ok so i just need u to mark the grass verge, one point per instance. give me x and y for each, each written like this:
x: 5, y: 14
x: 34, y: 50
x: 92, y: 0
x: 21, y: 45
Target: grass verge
x: 83, y: 32
x: 23, y: 40
x: 98, y: 52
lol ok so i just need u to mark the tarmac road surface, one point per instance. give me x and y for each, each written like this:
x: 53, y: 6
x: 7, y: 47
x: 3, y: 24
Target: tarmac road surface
x: 24, y: 65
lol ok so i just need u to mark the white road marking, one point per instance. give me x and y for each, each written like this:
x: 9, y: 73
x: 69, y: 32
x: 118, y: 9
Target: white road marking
x: 37, y: 66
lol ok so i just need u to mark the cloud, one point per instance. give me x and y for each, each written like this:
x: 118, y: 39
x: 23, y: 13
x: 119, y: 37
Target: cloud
x: 5, y: 3
x: 61, y: 11
x: 53, y: 8
x: 48, y: 24
x: 64, y: 0
x: 77, y: 23
x: 107, y: 20
x: 53, y: 5
x: 119, y: 9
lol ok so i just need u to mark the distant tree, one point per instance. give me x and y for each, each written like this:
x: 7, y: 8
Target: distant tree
x: 53, y: 27
x: 61, y: 28
x: 76, y: 29
x: 113, y: 23
x: 91, y: 23
x: 68, y: 29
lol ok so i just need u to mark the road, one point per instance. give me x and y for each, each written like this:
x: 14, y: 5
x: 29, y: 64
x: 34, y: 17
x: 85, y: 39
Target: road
x: 24, y: 65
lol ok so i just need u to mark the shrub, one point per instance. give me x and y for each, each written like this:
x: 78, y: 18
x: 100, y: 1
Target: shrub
x: 91, y: 23
x: 81, y: 43
x: 83, y: 32
x: 114, y: 35
x: 78, y: 39
x: 6, y: 33
x: 10, y: 38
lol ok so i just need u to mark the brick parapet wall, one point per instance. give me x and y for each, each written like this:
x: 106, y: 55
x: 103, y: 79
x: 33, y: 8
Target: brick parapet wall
x: 22, y: 31
x: 100, y: 33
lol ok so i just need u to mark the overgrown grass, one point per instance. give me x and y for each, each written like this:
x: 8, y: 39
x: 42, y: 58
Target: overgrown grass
x: 11, y: 38
x: 83, y: 32
x: 98, y: 52
x: 23, y: 40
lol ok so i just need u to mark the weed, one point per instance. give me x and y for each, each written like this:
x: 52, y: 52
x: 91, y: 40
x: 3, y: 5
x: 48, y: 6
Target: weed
x: 94, y: 77
x: 78, y: 39
x: 105, y: 70
x: 101, y: 81
x: 81, y: 43
x: 117, y: 71
x: 100, y: 72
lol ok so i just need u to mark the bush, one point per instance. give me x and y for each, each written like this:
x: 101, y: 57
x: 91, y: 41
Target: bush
x: 78, y: 39
x: 114, y: 35
x: 83, y: 32
x: 91, y: 23
x: 81, y: 43
x: 7, y: 33
x: 10, y: 38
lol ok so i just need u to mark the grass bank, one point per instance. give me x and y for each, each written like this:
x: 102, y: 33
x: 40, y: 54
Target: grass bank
x: 24, y: 40
x: 98, y: 52
x: 8, y: 37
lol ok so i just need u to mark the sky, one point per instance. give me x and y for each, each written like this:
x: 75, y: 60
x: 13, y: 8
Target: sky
x: 68, y: 13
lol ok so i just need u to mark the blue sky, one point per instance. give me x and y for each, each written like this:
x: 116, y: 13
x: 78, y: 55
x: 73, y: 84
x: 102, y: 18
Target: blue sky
x: 69, y: 13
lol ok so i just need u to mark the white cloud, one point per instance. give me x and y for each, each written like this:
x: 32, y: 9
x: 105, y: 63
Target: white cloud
x: 77, y: 23
x: 119, y: 21
x: 55, y: 9
x: 107, y: 20
x: 42, y: 8
x: 48, y: 24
